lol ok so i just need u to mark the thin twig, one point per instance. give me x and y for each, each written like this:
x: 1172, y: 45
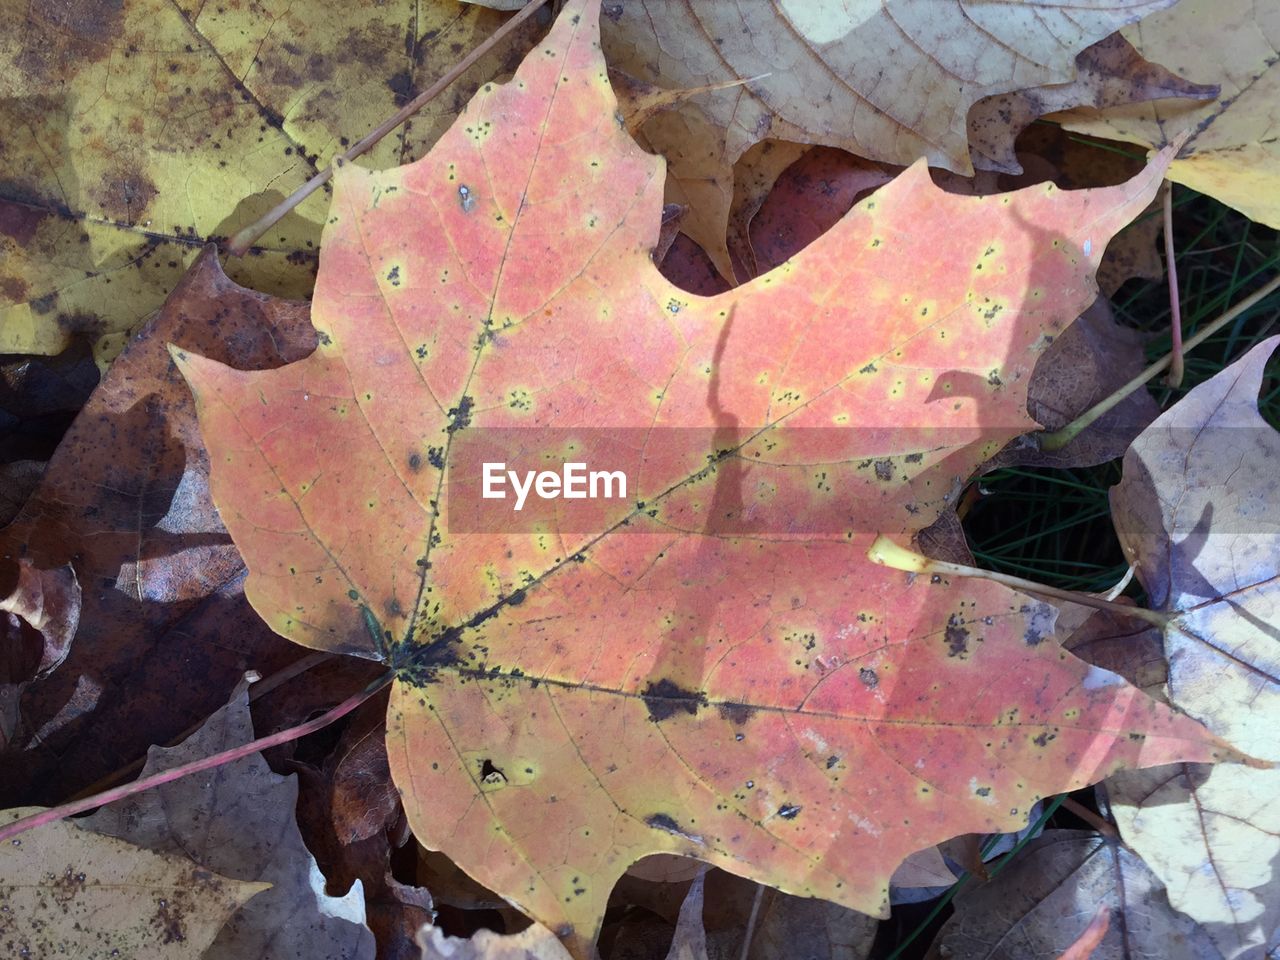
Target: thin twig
x: 243, y: 240
x: 196, y: 766
x: 751, y: 922
x: 1174, y: 379
x: 1060, y: 438
x: 1091, y: 818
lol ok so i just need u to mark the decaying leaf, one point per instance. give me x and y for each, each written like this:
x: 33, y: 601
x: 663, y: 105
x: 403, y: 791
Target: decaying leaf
x: 68, y: 892
x: 1109, y: 73
x: 39, y: 610
x: 1046, y: 897
x: 1196, y: 513
x: 1232, y: 154
x: 237, y: 820
x: 164, y: 630
x: 890, y: 81
x: 137, y: 131
x: 577, y: 690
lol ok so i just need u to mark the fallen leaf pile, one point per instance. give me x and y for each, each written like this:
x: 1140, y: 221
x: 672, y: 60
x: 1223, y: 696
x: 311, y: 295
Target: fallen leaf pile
x: 699, y: 246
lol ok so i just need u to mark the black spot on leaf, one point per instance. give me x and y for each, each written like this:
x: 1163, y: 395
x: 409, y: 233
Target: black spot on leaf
x: 661, y: 821
x: 460, y: 416
x: 665, y: 698
x: 736, y: 713
x: 957, y: 637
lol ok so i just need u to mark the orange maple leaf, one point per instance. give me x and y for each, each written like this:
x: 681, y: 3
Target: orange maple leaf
x: 710, y: 666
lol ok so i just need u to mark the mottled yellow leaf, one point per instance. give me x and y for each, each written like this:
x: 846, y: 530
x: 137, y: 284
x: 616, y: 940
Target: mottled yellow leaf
x: 135, y: 131
x: 1233, y: 154
x: 67, y: 892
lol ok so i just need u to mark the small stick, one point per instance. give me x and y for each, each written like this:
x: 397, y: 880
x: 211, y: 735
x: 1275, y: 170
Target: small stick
x: 1091, y: 818
x: 751, y: 922
x: 1174, y: 378
x: 243, y: 240
x: 1060, y: 438
x: 887, y: 553
x: 196, y: 766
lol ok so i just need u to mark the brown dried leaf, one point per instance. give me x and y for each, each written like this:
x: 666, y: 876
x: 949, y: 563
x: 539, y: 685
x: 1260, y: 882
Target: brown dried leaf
x: 39, y: 610
x: 164, y: 628
x: 1086, y: 363
x: 238, y: 820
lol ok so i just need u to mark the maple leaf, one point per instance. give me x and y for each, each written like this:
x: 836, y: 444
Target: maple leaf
x: 710, y: 667
x: 1196, y: 516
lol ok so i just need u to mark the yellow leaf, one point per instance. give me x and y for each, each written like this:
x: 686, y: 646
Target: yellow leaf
x: 68, y: 892
x: 135, y: 132
x: 1233, y: 154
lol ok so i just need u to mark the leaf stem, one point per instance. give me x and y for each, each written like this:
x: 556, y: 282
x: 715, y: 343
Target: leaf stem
x: 245, y: 238
x: 1174, y: 379
x: 196, y: 766
x: 1060, y: 438
x: 887, y: 553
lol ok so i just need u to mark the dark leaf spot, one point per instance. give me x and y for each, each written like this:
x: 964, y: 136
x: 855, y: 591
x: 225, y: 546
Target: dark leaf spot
x: 664, y: 698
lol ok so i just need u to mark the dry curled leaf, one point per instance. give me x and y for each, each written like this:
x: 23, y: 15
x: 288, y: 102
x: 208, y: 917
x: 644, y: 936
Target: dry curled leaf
x: 39, y: 611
